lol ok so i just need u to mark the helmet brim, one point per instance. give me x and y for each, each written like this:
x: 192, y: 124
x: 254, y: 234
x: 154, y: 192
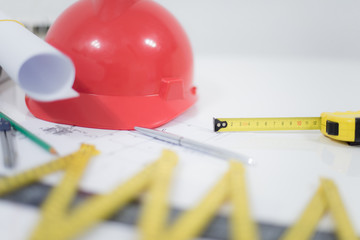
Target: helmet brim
x: 111, y: 112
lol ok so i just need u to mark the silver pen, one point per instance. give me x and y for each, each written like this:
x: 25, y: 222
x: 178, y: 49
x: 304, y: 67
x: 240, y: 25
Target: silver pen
x: 198, y: 146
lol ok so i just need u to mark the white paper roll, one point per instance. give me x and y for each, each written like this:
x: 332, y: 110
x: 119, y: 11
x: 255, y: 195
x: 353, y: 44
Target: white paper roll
x: 43, y: 72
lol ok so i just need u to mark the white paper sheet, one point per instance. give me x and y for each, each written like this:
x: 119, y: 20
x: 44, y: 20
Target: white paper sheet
x: 43, y: 72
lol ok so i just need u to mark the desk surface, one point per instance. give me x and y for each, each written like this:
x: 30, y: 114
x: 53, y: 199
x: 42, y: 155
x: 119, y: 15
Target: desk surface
x: 289, y: 164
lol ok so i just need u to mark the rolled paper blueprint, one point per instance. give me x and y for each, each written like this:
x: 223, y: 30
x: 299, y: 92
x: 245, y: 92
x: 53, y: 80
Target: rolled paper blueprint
x: 43, y: 72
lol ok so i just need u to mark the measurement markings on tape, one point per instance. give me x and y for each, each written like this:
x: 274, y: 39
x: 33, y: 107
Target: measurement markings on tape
x: 266, y: 124
x: 340, y: 126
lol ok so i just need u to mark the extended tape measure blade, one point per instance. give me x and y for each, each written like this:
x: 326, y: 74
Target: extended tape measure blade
x: 266, y: 124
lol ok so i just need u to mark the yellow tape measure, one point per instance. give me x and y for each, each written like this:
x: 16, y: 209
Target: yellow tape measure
x: 341, y: 126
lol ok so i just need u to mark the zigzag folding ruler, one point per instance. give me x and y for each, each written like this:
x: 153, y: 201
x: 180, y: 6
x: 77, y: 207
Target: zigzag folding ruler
x: 58, y: 222
x: 326, y: 199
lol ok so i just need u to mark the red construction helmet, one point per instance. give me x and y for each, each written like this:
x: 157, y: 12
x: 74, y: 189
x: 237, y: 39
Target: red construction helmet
x: 133, y: 62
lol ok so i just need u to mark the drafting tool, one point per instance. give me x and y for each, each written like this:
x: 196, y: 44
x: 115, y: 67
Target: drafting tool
x: 155, y: 210
x: 327, y: 198
x: 28, y: 134
x: 188, y: 143
x: 57, y: 222
x: 242, y: 224
x: 341, y: 126
x: 231, y: 187
x: 7, y: 143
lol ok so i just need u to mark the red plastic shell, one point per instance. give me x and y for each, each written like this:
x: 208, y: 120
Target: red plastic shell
x: 133, y: 61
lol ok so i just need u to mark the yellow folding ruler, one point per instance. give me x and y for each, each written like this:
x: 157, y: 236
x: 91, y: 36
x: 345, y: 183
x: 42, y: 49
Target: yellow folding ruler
x: 59, y: 222
x: 341, y: 126
x: 326, y: 199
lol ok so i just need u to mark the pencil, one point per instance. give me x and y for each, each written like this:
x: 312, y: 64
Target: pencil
x: 29, y: 135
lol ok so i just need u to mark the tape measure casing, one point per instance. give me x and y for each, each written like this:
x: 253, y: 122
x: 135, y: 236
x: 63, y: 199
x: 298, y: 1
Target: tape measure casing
x: 342, y: 126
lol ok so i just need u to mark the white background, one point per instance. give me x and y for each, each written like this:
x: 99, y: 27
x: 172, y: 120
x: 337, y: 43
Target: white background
x: 320, y: 28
